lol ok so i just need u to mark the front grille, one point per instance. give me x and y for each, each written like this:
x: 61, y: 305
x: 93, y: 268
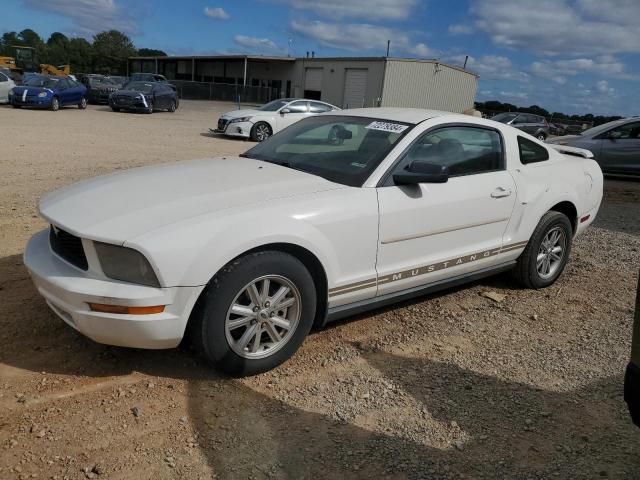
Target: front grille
x: 124, y: 101
x: 222, y: 124
x: 69, y: 247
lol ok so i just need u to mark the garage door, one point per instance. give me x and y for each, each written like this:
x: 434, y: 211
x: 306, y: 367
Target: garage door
x: 355, y: 87
x: 313, y: 79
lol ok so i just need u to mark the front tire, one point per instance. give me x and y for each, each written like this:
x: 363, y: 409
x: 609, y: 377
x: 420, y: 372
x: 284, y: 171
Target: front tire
x: 115, y: 109
x: 255, y: 313
x: 541, y: 136
x: 547, y: 252
x: 150, y: 108
x: 83, y: 103
x: 261, y: 131
x: 55, y: 104
x: 173, y: 106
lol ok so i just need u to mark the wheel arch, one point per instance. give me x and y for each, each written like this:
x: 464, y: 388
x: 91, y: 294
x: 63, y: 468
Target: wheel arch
x: 569, y: 209
x: 308, y: 259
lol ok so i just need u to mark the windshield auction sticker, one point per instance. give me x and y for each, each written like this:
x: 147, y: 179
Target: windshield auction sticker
x: 387, y: 127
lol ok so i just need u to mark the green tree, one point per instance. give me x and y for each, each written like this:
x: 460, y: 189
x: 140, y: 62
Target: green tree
x: 151, y: 52
x: 29, y: 38
x: 110, y: 52
x: 80, y: 54
x: 55, y: 52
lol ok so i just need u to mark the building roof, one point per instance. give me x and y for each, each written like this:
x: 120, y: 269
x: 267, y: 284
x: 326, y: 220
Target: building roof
x: 306, y: 59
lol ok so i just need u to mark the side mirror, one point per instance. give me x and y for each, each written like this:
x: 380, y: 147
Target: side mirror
x: 420, y: 171
x: 613, y: 135
x: 284, y: 110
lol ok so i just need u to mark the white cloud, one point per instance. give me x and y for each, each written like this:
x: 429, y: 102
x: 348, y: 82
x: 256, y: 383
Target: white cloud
x: 491, y: 67
x: 603, y: 65
x: 260, y: 45
x: 559, y: 26
x: 358, y: 37
x: 517, y: 95
x: 217, y: 13
x: 361, y: 9
x: 89, y: 16
x: 460, y: 29
x: 603, y: 87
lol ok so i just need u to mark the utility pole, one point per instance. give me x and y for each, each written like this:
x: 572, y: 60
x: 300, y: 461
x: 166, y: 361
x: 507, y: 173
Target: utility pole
x: 388, y: 46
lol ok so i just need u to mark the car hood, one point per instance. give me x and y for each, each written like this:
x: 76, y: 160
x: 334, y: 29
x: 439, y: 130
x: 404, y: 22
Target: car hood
x: 245, y: 113
x: 129, y: 93
x: 121, y: 206
x: 17, y: 90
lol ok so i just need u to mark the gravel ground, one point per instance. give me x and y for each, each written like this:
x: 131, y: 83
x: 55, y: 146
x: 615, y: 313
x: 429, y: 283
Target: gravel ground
x: 454, y: 385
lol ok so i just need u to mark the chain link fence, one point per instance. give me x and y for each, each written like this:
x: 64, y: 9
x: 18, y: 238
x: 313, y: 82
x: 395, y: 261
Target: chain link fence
x: 224, y: 92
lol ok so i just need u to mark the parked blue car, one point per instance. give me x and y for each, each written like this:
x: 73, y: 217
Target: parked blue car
x: 50, y: 92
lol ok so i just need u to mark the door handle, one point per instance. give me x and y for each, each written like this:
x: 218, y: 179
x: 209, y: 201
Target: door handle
x: 500, y: 192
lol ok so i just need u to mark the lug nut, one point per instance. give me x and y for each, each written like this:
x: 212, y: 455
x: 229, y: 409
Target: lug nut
x: 256, y: 309
x: 267, y: 304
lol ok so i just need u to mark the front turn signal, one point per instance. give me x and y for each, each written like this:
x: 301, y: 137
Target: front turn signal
x: 124, y: 310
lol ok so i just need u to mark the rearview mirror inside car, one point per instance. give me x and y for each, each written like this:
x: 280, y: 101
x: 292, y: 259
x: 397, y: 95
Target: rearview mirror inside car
x: 420, y: 171
x: 344, y: 134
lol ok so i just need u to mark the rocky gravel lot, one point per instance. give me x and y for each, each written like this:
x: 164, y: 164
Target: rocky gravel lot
x: 483, y: 381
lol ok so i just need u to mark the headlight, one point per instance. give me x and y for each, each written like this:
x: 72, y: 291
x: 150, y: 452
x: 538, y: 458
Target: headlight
x: 42, y: 94
x: 241, y: 119
x: 126, y: 264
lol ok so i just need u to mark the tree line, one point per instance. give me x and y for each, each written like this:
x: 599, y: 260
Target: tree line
x: 106, y: 53
x: 495, y: 107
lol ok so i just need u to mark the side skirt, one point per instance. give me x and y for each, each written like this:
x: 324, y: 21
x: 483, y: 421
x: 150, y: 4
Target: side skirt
x: 343, y: 311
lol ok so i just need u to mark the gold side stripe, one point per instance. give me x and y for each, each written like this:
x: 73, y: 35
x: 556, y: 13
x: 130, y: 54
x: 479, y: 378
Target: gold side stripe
x: 419, y: 271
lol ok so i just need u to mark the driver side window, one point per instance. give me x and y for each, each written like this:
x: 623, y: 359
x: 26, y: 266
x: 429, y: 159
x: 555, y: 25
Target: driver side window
x: 464, y: 150
x: 628, y: 131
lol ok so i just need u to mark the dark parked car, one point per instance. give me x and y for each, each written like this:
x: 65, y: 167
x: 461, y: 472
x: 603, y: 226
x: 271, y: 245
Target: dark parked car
x: 144, y: 97
x: 100, y: 87
x: 150, y: 77
x: 527, y: 122
x: 557, y: 129
x: 615, y: 145
x: 632, y: 377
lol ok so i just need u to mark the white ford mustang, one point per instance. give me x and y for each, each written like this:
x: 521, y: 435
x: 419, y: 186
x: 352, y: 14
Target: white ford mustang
x: 260, y: 123
x: 338, y: 213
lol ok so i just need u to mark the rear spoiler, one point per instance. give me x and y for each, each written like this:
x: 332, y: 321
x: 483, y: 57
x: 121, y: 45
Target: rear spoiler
x: 574, y: 151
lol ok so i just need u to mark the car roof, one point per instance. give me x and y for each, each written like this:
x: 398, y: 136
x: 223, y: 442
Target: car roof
x: 406, y: 115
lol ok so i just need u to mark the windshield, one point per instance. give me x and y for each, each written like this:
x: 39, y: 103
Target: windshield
x: 275, y: 105
x: 139, y: 86
x: 341, y: 149
x: 46, y: 82
x: 97, y: 81
x: 504, y: 117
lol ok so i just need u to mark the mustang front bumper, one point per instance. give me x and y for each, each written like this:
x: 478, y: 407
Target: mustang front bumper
x: 68, y: 291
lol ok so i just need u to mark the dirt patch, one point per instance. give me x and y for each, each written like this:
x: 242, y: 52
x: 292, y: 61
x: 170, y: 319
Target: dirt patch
x: 448, y: 386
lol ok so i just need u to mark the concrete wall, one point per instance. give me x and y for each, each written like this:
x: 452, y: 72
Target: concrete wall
x: 333, y: 76
x: 428, y: 84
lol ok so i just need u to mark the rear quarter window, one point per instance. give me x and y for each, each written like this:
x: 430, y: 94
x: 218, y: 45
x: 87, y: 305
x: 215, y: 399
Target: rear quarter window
x: 531, y: 152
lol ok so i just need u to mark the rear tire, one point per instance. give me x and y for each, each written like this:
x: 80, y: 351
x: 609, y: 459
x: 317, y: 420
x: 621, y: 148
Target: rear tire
x: 250, y: 346
x: 547, y: 252
x: 16, y: 106
x: 541, y: 136
x: 115, y: 109
x: 261, y: 131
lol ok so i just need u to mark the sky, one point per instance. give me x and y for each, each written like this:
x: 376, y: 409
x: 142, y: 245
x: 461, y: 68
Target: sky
x: 571, y: 56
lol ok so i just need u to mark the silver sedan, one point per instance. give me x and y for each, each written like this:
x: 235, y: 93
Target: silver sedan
x: 615, y: 145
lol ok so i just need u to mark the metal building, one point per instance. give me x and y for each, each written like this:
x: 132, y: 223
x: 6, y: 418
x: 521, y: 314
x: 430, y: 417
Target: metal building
x: 348, y: 82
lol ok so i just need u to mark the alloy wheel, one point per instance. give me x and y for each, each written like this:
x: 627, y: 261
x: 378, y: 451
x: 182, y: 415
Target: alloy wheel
x: 551, y: 253
x: 262, y: 132
x: 263, y: 316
